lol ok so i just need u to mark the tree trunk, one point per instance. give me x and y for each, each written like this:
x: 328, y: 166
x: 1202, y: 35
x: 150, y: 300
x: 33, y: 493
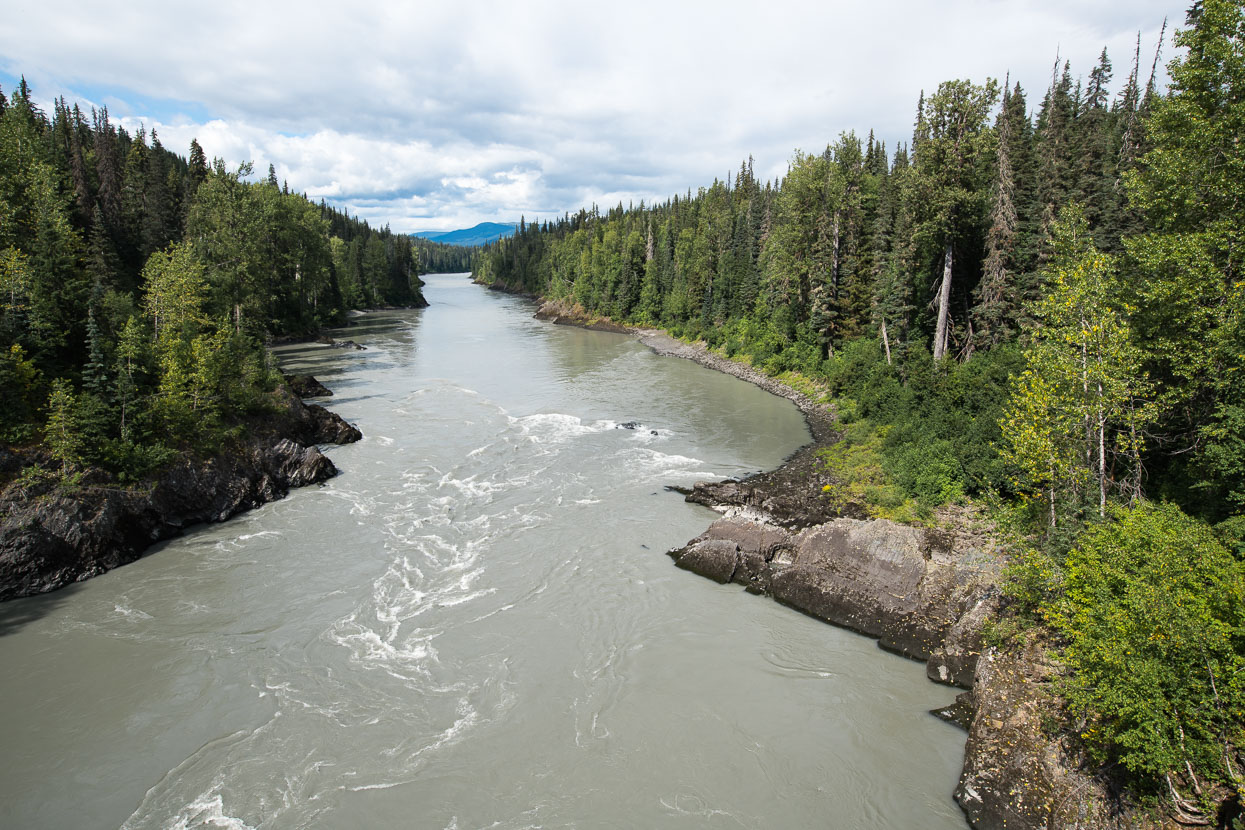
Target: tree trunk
x: 886, y: 342
x: 1089, y: 430
x: 1102, y: 457
x: 834, y: 260
x: 941, y: 335
x: 1052, y: 500
x: 1135, y: 494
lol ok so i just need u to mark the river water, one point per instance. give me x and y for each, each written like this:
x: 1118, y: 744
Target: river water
x: 474, y: 626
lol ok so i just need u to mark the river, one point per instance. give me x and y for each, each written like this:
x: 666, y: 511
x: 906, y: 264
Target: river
x: 474, y: 626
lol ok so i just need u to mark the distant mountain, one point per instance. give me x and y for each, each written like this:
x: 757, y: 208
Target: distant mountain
x: 481, y: 234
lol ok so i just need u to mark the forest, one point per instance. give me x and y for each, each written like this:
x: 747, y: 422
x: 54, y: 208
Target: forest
x: 1035, y: 304
x: 140, y: 287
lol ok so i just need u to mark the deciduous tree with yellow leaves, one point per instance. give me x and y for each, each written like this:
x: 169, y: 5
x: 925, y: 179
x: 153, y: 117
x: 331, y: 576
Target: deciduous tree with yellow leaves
x: 1073, y: 429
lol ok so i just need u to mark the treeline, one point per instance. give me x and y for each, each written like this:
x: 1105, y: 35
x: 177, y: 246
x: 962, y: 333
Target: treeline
x: 1043, y: 304
x: 138, y: 286
x: 440, y: 258
x: 857, y: 239
x: 941, y: 248
x: 937, y: 248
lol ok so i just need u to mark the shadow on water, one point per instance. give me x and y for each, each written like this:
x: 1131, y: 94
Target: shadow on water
x: 330, y: 402
x: 15, y: 614
x: 327, y: 366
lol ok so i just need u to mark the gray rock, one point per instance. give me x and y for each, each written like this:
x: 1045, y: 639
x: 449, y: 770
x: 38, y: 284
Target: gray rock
x: 1014, y: 775
x: 890, y: 581
x: 306, y: 386
x: 51, y: 537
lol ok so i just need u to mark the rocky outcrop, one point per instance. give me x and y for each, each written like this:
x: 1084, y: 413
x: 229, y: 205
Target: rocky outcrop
x: 1015, y: 775
x: 922, y: 592
x: 306, y: 386
x: 53, y: 536
x: 307, y: 424
x: 927, y: 594
x: 908, y: 587
x: 564, y: 313
x: 317, y: 425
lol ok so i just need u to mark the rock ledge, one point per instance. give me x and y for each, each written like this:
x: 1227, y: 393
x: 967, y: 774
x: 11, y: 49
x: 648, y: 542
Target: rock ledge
x: 51, y: 537
x: 906, y: 586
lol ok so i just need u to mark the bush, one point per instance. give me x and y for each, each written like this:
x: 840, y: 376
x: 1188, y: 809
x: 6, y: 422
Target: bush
x: 1154, y: 615
x: 20, y: 394
x: 929, y: 470
x: 1032, y: 582
x: 854, y: 465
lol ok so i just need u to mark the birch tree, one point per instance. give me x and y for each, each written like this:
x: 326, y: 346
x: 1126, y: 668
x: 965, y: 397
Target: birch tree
x: 1074, y: 426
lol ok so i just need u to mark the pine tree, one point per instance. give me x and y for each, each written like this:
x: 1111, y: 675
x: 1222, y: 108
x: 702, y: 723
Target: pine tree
x: 1096, y: 155
x: 95, y: 370
x: 109, y: 171
x: 84, y: 200
x: 196, y: 173
x: 101, y: 259
x: 892, y: 285
x: 1056, y: 146
x: 157, y: 223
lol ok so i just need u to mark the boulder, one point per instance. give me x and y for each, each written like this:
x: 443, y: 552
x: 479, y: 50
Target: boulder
x: 898, y: 583
x: 306, y: 386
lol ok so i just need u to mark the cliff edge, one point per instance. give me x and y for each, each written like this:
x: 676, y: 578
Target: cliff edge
x: 51, y: 536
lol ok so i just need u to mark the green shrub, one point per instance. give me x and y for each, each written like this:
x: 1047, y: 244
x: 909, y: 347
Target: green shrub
x: 20, y: 394
x: 885, y: 496
x: 1154, y: 615
x: 929, y: 470
x: 1032, y: 582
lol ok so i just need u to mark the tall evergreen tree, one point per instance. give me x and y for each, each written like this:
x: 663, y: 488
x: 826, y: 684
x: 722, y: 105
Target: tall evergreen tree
x: 994, y: 313
x: 951, y: 165
x: 1189, y: 293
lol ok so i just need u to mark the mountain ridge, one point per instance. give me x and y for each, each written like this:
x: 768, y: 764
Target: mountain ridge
x: 481, y: 234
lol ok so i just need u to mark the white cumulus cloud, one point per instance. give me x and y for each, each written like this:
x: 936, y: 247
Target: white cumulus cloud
x: 436, y: 115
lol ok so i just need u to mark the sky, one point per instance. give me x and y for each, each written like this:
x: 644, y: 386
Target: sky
x: 436, y: 115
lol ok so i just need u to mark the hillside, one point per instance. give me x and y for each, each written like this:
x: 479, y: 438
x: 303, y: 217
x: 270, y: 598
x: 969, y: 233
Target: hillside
x: 481, y: 234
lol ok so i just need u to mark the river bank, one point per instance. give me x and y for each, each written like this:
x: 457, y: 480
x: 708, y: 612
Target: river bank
x: 924, y: 592
x: 52, y: 536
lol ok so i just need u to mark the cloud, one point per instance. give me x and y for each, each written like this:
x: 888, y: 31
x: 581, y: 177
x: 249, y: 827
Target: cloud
x: 433, y: 115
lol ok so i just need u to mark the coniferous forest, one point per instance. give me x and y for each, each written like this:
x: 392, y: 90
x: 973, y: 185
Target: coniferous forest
x: 139, y: 287
x: 1037, y: 304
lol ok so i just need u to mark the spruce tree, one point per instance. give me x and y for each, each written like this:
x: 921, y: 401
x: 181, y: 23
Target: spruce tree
x: 994, y: 312
x: 196, y: 172
x: 134, y: 202
x: 157, y: 223
x: 1188, y: 290
x: 109, y: 171
x: 952, y: 151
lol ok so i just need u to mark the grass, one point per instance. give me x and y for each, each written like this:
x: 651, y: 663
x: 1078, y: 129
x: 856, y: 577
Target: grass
x: 855, y: 465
